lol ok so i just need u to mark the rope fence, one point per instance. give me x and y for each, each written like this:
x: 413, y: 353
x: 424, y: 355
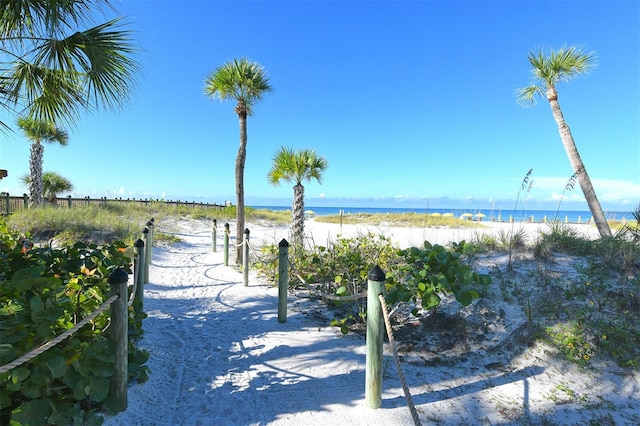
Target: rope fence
x: 42, y: 349
x: 119, y: 303
x: 374, y: 353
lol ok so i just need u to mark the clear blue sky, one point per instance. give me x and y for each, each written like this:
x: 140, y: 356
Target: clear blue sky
x: 411, y: 102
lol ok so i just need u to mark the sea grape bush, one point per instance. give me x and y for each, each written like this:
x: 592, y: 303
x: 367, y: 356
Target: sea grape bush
x: 417, y: 275
x: 430, y: 272
x: 43, y: 292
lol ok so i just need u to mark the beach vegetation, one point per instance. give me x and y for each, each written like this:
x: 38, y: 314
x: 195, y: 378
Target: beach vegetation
x: 38, y: 132
x: 549, y: 69
x: 297, y: 167
x: 44, y: 292
x: 55, y: 67
x: 246, y: 83
x: 408, y: 219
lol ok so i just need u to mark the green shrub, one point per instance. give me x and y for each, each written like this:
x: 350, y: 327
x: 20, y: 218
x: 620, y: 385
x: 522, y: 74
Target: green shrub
x: 44, y: 292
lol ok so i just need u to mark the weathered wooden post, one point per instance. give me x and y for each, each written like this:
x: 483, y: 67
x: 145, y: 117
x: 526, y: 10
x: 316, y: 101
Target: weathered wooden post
x: 151, y: 226
x: 119, y: 333
x: 214, y: 235
x: 245, y: 258
x: 283, y: 279
x: 226, y: 244
x: 5, y: 195
x: 375, y: 336
x: 145, y: 265
x: 138, y: 272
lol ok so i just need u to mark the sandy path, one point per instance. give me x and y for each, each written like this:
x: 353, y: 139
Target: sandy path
x: 219, y: 357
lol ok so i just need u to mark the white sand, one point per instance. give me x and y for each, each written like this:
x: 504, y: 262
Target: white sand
x: 219, y: 357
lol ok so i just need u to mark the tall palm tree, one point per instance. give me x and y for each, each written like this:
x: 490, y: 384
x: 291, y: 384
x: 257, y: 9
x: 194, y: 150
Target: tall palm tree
x: 548, y: 70
x: 245, y: 82
x: 53, y: 185
x: 38, y: 132
x: 52, y: 69
x: 296, y: 167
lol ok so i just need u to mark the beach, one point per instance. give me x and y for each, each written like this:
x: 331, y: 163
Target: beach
x: 218, y: 355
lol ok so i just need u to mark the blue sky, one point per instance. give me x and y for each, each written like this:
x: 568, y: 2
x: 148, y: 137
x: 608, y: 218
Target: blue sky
x: 411, y: 102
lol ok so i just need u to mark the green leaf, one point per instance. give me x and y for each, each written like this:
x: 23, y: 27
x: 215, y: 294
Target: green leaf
x: 27, y: 273
x: 57, y: 366
x: 431, y: 301
x: 36, y: 306
x: 32, y: 413
x: 344, y: 329
x: 7, y: 353
x: 31, y: 390
x: 99, y: 388
x: 341, y: 291
x: 20, y: 374
x: 466, y: 297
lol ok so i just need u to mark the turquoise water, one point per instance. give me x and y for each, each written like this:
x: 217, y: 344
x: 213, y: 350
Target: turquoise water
x: 495, y: 215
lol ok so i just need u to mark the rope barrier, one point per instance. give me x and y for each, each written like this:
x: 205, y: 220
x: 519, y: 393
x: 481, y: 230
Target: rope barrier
x: 34, y: 353
x: 132, y: 297
x: 396, y: 359
x: 324, y: 295
x: 259, y: 259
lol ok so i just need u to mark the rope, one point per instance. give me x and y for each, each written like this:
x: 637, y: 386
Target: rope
x: 259, y: 259
x: 396, y: 359
x: 132, y: 297
x: 324, y: 295
x: 232, y: 243
x: 34, y: 353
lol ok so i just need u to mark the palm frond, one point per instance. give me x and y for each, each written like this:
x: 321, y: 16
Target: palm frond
x: 239, y: 79
x: 526, y: 96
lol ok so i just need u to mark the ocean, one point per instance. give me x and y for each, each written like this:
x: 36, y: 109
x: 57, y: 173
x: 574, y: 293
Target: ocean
x: 489, y: 215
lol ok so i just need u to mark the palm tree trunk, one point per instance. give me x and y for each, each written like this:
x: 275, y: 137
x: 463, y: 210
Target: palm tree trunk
x: 35, y: 167
x: 298, y: 214
x: 240, y: 160
x: 578, y: 166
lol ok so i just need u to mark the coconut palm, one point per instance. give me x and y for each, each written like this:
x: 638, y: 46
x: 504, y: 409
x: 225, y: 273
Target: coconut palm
x: 38, y: 132
x: 296, y: 167
x: 52, y: 185
x: 52, y: 68
x: 548, y: 70
x: 245, y: 82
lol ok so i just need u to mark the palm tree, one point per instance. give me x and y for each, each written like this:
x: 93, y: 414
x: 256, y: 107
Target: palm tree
x: 296, y: 167
x: 245, y: 82
x: 38, y: 132
x: 52, y: 68
x: 52, y: 185
x: 549, y: 70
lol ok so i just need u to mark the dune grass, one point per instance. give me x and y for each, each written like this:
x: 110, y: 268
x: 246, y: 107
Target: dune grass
x: 409, y: 219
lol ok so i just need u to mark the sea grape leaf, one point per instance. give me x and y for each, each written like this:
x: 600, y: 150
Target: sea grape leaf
x: 7, y: 353
x: 57, y: 366
x: 33, y: 413
x: 99, y: 388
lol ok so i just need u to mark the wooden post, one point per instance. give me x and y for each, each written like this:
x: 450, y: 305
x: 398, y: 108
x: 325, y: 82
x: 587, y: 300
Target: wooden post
x: 151, y: 226
x: 119, y: 326
x: 214, y: 235
x: 226, y: 244
x: 5, y: 195
x: 145, y: 265
x: 375, y: 338
x: 245, y: 258
x: 138, y: 272
x: 283, y: 279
